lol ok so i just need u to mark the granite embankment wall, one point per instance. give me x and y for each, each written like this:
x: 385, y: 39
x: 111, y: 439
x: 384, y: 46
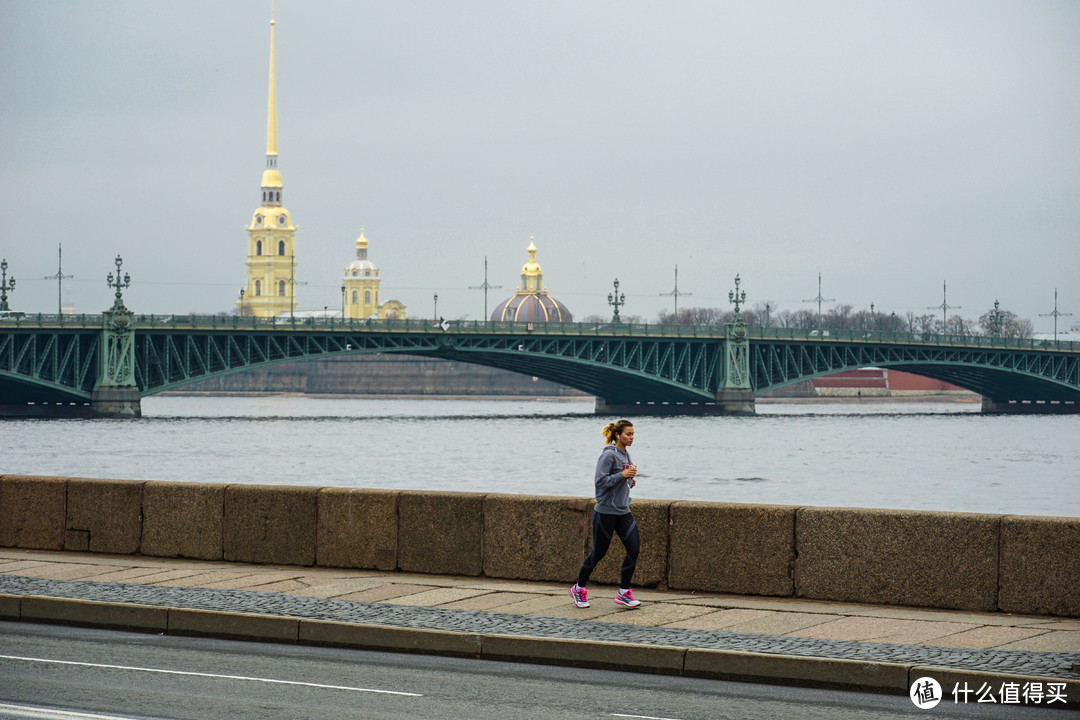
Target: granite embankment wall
x: 962, y: 561
x: 380, y: 375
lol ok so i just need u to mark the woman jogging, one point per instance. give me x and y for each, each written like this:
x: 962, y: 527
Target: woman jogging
x: 614, y: 478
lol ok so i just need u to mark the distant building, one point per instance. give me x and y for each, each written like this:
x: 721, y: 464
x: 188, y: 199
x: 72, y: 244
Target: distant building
x: 889, y: 382
x: 271, y: 261
x: 361, y: 285
x: 531, y: 302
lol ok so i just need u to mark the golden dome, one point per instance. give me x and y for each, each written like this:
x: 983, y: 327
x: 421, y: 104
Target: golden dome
x: 531, y: 302
x: 532, y: 267
x: 271, y: 178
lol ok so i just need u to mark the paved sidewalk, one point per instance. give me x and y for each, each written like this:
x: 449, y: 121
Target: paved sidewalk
x: 772, y: 639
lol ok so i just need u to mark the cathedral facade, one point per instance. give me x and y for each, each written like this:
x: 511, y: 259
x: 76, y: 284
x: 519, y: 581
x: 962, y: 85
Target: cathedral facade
x: 271, y: 256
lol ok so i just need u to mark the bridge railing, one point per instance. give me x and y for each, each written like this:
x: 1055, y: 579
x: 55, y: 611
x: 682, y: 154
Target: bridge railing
x: 54, y: 320
x: 424, y: 325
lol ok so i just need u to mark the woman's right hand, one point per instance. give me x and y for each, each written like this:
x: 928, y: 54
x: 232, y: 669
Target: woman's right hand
x: 629, y: 472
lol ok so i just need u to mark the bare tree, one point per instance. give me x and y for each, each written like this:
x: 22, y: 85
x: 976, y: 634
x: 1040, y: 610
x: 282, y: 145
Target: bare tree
x: 1010, y: 325
x: 796, y: 320
x: 927, y: 324
x: 839, y: 318
x: 958, y: 325
x: 763, y: 313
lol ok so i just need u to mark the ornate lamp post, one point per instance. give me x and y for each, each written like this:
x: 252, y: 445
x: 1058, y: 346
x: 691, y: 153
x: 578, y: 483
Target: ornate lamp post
x: 6, y: 285
x: 118, y: 304
x: 995, y: 321
x: 735, y: 395
x: 734, y: 296
x: 615, y: 300
x: 435, y: 317
x: 116, y: 393
x: 342, y: 301
x: 241, y: 302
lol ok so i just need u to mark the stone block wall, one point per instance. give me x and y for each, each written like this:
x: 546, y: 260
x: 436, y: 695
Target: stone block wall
x: 732, y: 548
x: 897, y: 557
x: 269, y: 524
x: 530, y: 537
x: 183, y: 520
x: 441, y: 533
x: 1040, y: 565
x: 104, y: 516
x: 357, y: 528
x: 33, y: 512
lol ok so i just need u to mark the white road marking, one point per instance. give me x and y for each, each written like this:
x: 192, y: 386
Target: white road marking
x: 641, y: 717
x: 32, y: 711
x: 210, y: 675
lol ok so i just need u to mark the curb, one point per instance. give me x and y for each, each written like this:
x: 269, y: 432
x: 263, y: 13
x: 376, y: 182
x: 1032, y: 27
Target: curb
x: 855, y: 675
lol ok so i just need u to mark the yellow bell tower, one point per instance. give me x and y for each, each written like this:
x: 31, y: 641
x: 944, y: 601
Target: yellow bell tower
x: 271, y: 261
x: 361, y: 283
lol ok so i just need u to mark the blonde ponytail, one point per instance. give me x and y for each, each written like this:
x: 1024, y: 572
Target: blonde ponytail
x: 613, y: 429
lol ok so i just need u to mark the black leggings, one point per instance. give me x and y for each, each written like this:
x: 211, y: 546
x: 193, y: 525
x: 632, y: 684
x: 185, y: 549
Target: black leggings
x: 603, y: 527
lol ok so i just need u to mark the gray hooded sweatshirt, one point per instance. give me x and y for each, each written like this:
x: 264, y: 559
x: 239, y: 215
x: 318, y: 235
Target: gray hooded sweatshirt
x: 612, y: 489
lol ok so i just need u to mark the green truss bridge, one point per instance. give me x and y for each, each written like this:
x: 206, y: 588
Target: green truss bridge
x: 101, y: 365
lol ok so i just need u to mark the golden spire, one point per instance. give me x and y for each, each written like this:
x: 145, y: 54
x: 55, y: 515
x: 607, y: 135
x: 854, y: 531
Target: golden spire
x: 531, y: 273
x: 271, y: 179
x: 271, y: 111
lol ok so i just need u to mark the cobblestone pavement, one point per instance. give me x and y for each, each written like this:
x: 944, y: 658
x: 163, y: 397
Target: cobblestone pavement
x: 1018, y: 662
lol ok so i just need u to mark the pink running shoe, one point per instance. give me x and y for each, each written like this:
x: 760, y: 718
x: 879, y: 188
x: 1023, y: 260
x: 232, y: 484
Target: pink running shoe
x: 627, y: 599
x: 580, y: 595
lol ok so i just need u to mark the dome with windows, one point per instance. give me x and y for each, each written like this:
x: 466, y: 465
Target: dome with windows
x: 531, y: 302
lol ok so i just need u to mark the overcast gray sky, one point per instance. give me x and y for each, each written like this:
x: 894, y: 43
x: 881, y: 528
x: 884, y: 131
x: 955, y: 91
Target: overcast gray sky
x: 889, y: 146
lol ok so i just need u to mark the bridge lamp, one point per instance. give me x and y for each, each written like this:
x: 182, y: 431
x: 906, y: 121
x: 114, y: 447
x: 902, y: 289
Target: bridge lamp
x: 736, y: 296
x: 119, y: 285
x: 6, y: 285
x: 615, y: 300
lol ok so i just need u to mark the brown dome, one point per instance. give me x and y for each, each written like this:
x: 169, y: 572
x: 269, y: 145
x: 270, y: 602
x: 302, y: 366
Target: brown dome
x: 531, y: 307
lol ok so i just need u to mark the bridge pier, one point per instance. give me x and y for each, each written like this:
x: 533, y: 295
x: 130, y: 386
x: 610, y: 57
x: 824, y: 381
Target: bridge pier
x: 116, y: 402
x: 115, y: 394
x: 728, y: 402
x: 735, y: 402
x: 1030, y: 407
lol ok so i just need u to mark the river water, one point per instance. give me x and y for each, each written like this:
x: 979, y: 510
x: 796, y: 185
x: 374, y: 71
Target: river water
x: 932, y: 456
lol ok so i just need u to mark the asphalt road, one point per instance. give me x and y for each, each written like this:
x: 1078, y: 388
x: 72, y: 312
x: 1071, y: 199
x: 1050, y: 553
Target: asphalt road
x: 61, y: 673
